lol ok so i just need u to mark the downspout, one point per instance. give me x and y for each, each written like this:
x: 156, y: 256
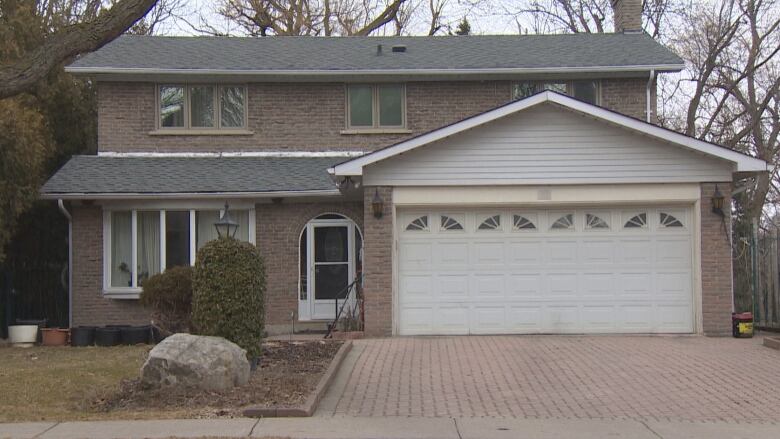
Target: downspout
x: 65, y: 212
x: 648, y: 110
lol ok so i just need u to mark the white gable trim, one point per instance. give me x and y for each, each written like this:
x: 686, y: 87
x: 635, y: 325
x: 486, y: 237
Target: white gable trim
x: 742, y: 162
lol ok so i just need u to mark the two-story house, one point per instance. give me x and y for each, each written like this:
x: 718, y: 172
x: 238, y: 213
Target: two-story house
x: 481, y: 184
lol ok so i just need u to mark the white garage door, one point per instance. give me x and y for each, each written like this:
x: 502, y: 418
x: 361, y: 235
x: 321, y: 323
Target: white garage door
x: 620, y: 270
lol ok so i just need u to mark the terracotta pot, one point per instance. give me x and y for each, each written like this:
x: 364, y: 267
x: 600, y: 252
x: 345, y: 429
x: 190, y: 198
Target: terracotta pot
x: 55, y: 337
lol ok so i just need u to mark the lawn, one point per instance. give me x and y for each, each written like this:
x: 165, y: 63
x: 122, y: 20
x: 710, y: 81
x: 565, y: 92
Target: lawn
x: 64, y: 383
x: 58, y: 383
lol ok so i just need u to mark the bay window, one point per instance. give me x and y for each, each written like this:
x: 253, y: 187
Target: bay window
x: 140, y: 243
x: 201, y: 107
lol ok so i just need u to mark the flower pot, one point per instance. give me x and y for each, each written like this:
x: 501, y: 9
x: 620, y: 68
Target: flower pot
x: 82, y: 336
x: 23, y: 336
x: 132, y: 335
x: 41, y: 323
x: 55, y: 336
x: 108, y: 336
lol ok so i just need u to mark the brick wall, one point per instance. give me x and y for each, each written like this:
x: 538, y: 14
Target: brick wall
x: 628, y: 96
x: 378, y: 263
x: 311, y: 116
x: 89, y: 305
x: 716, y: 269
x: 279, y: 228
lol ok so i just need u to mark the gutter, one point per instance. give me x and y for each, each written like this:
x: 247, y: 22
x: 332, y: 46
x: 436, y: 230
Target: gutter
x: 186, y: 195
x: 67, y: 215
x: 648, y: 110
x: 375, y: 72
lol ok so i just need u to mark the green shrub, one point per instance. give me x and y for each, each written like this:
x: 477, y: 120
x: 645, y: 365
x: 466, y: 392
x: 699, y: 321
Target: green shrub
x: 169, y: 296
x: 228, y: 290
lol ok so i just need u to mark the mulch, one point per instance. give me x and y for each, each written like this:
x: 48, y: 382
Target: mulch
x: 287, y: 374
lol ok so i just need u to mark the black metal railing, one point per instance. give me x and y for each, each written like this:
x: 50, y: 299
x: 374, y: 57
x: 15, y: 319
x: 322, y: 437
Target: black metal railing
x: 354, y: 312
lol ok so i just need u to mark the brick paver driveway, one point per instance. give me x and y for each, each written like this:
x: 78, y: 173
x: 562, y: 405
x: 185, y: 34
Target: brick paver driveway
x: 676, y: 378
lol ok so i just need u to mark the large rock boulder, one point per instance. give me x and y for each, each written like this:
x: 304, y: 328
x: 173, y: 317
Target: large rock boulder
x: 185, y: 360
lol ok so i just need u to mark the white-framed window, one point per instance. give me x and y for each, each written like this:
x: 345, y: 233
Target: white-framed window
x: 563, y: 222
x: 491, y: 222
x: 139, y: 243
x: 419, y: 224
x: 597, y: 221
x: 376, y: 106
x: 201, y: 107
x: 450, y: 222
x: 523, y: 222
x: 585, y: 90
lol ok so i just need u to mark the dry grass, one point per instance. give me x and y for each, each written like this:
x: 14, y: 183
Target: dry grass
x: 54, y: 383
x: 65, y: 383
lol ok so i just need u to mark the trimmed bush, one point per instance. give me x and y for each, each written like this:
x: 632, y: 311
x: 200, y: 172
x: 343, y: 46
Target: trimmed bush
x: 228, y: 290
x: 169, y: 296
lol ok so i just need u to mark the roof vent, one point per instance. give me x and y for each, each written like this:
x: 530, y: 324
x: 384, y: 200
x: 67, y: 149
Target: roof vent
x: 399, y: 49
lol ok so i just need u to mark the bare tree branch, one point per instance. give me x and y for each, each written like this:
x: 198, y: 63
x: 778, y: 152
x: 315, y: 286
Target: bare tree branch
x: 21, y: 75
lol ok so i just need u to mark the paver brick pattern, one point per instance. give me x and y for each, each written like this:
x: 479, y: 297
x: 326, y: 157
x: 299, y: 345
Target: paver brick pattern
x: 602, y: 377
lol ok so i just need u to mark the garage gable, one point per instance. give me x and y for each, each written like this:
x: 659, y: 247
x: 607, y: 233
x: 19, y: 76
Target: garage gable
x: 551, y: 132
x: 546, y: 144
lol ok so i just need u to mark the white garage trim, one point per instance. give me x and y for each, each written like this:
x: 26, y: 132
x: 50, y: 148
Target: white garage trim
x: 545, y: 195
x: 664, y: 296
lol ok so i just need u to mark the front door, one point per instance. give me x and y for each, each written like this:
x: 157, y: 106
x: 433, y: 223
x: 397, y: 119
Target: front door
x: 331, y: 267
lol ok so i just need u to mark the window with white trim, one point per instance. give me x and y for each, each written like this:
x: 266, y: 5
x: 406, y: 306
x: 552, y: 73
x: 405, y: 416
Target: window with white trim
x: 418, y: 224
x: 667, y: 220
x: 564, y: 222
x: 492, y: 222
x: 449, y: 223
x: 377, y: 106
x: 585, y: 90
x: 153, y: 240
x: 201, y: 107
x: 594, y: 221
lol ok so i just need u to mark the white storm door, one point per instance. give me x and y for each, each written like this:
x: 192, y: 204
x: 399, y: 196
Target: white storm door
x: 331, y: 265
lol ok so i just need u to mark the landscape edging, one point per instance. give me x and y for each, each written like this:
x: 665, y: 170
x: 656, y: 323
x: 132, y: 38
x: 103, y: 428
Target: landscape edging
x: 310, y: 405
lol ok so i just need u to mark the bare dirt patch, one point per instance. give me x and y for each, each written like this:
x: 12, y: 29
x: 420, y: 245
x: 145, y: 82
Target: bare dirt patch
x: 288, y: 373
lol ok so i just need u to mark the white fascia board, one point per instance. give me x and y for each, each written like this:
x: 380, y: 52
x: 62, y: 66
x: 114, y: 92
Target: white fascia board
x: 188, y: 195
x: 288, y: 154
x: 372, y: 72
x: 742, y: 162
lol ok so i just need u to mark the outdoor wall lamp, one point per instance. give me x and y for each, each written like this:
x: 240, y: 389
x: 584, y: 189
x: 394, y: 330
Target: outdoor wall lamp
x: 377, y: 205
x: 226, y: 226
x: 717, y: 203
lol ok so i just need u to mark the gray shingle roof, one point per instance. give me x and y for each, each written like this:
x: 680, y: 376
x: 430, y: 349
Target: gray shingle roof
x: 174, y: 175
x: 343, y: 54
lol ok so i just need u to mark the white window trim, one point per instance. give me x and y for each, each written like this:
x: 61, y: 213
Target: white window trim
x: 188, y: 129
x: 375, y: 127
x: 539, y: 87
x: 134, y: 292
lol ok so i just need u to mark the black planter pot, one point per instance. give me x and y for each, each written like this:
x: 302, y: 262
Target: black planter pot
x: 132, y: 335
x: 157, y: 335
x: 82, y: 336
x: 108, y: 336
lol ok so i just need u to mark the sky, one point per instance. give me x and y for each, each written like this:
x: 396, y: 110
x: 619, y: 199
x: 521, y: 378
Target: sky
x: 484, y: 20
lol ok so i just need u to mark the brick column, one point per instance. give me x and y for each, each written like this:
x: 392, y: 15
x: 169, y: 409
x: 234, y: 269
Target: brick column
x: 378, y: 263
x: 716, y: 271
x: 89, y: 305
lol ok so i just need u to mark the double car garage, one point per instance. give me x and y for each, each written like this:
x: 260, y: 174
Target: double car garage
x: 577, y: 270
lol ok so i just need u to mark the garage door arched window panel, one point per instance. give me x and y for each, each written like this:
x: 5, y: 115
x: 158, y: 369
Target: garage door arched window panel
x: 419, y: 224
x: 564, y: 222
x: 667, y: 220
x: 595, y: 221
x: 523, y: 223
x: 492, y: 222
x: 450, y: 223
x: 637, y: 221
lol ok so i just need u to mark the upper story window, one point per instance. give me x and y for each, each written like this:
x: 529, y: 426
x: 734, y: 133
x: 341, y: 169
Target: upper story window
x: 585, y: 90
x: 202, y: 107
x: 376, y: 106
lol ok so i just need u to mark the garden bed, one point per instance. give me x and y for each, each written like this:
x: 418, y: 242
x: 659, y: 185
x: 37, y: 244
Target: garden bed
x: 101, y: 383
